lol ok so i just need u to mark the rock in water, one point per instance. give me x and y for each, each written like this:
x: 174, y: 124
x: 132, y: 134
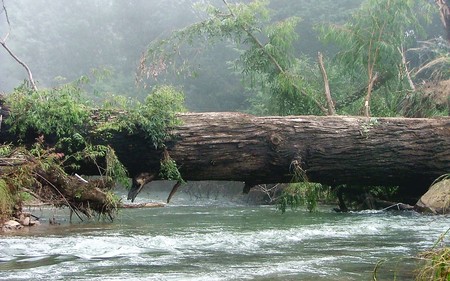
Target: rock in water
x: 11, y: 225
x: 26, y: 221
x: 437, y: 199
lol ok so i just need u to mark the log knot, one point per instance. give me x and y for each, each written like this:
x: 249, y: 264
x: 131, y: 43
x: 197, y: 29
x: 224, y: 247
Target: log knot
x: 275, y: 141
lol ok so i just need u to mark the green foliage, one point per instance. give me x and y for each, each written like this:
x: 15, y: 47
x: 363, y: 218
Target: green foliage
x: 5, y: 150
x: 169, y: 170
x: 113, y: 169
x: 58, y: 112
x: 113, y: 201
x: 436, y: 262
x: 375, y: 32
x: 6, y: 200
x: 383, y: 191
x: 155, y: 117
x: 371, y: 44
x: 25, y: 196
x: 266, y: 59
x: 300, y: 194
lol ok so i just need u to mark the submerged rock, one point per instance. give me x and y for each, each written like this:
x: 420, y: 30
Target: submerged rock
x: 436, y: 200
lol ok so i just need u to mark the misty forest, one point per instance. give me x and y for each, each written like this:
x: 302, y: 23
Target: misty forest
x: 225, y: 139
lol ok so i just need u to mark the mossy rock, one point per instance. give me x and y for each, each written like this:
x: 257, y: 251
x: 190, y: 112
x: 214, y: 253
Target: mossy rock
x: 437, y: 199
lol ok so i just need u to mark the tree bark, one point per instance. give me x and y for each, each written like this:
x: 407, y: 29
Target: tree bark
x: 444, y: 11
x: 332, y: 150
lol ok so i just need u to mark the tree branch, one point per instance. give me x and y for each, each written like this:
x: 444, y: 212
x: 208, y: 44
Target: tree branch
x: 369, y: 95
x: 3, y: 43
x: 331, y: 109
x: 444, y: 10
x: 7, y: 20
x: 274, y: 61
x: 405, y: 65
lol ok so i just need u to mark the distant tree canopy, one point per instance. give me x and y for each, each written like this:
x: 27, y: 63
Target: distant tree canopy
x: 103, y: 39
x: 370, y: 73
x: 105, y: 43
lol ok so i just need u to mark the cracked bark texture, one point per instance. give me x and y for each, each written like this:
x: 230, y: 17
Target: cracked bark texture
x: 332, y: 150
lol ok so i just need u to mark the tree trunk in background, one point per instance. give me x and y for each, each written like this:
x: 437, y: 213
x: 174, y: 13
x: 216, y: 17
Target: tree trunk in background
x: 444, y: 10
x: 332, y: 150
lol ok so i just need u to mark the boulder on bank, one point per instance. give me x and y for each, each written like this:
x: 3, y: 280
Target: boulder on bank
x: 437, y: 199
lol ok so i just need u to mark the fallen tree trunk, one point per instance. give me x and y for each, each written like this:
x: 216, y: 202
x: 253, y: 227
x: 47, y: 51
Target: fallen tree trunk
x: 332, y: 150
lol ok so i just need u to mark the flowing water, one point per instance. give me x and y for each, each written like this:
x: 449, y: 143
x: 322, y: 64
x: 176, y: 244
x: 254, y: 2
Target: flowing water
x: 219, y: 240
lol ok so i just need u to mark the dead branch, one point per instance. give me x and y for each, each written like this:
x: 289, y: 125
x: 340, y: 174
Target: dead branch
x: 369, y: 95
x: 405, y: 65
x: 3, y: 43
x: 330, y: 104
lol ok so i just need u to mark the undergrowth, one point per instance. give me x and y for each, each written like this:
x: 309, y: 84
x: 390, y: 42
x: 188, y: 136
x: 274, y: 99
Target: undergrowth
x: 58, y: 112
x: 59, y: 121
x: 300, y: 192
x: 6, y: 200
x: 436, y: 265
x: 154, y: 117
x: 169, y: 169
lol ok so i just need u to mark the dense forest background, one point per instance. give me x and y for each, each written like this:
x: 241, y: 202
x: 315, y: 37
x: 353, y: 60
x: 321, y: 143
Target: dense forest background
x: 103, y: 40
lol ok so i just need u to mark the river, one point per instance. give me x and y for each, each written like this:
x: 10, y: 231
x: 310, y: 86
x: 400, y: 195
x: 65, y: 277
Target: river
x: 221, y: 240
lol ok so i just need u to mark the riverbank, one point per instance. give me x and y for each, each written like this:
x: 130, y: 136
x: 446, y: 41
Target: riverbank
x: 27, y: 219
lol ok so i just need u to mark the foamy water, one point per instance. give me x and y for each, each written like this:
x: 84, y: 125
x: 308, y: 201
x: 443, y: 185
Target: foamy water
x: 213, y: 242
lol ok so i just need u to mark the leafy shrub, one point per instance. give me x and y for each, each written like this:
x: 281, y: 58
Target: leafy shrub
x: 154, y: 117
x: 300, y: 194
x: 58, y: 111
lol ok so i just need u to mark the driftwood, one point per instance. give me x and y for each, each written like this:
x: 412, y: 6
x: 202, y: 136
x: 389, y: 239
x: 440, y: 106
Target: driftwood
x: 51, y: 185
x: 142, y: 205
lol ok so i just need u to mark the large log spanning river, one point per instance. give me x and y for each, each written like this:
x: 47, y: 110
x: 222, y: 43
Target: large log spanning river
x: 221, y: 240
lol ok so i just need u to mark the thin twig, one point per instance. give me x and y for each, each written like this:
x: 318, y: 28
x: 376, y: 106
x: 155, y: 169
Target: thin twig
x: 7, y: 20
x: 3, y: 43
